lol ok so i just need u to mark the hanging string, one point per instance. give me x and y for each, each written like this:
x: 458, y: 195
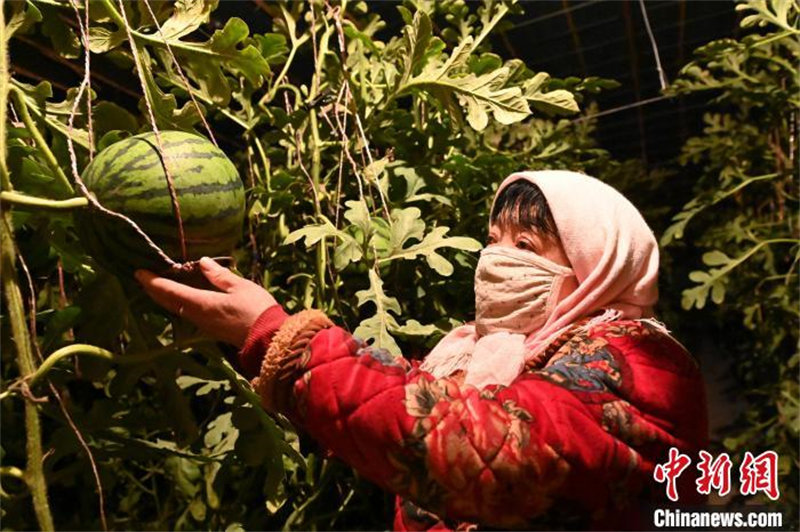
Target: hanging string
x: 74, y: 159
x: 176, y: 208
x: 661, y: 76
x: 87, y: 69
x: 181, y: 74
x: 336, y: 14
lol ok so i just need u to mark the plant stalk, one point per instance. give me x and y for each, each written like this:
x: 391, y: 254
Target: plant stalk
x: 316, y: 164
x: 34, y: 467
x: 41, y: 144
x: 99, y: 352
x: 34, y: 470
x: 34, y: 203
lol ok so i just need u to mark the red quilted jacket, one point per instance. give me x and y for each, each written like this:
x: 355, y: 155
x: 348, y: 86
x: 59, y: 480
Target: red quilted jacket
x: 571, y: 443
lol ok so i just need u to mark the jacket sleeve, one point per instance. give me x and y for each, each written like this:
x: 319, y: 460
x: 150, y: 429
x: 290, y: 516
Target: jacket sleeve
x: 500, y: 456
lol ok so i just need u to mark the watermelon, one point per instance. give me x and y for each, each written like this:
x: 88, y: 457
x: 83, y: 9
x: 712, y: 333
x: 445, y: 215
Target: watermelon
x: 128, y: 178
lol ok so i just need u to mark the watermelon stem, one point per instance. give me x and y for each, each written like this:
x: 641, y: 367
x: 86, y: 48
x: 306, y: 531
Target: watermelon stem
x: 297, y: 42
x: 35, y: 202
x: 99, y: 352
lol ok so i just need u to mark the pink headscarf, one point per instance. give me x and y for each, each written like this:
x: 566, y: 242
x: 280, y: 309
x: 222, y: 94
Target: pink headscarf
x: 612, y: 252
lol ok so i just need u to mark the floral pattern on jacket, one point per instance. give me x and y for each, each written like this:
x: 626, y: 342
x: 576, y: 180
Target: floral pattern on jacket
x: 577, y: 435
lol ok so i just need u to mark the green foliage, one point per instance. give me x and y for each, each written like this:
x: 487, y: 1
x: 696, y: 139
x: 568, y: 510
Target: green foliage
x: 742, y: 222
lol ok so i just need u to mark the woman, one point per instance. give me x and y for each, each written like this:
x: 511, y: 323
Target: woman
x: 552, y: 409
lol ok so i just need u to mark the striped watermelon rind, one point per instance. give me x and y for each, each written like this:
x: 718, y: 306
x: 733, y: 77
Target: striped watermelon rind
x: 128, y: 177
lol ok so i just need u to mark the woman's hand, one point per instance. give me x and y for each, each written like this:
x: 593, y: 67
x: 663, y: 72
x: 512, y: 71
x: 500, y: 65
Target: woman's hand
x: 226, y: 315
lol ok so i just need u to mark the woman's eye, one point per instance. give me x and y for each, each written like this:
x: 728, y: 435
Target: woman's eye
x: 524, y: 244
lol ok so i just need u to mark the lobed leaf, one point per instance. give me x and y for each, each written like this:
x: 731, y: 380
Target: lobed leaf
x: 187, y: 16
x: 433, y: 241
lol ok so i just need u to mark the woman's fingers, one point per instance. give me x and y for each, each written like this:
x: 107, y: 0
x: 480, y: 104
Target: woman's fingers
x: 177, y: 298
x: 226, y: 315
x: 221, y: 277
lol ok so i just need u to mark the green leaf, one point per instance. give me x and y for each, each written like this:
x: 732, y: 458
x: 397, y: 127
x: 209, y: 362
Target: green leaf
x: 415, y: 328
x: 680, y: 221
x: 176, y: 406
x: 187, y: 16
x: 442, y: 266
x: 715, y: 258
x: 776, y: 12
x: 484, y: 63
x: 206, y: 63
x: 23, y: 16
x: 406, y: 224
x: 376, y: 328
x: 379, y: 327
x: 718, y: 292
x: 61, y: 35
x: 694, y: 297
x: 480, y: 95
x: 208, y: 385
x: 105, y: 310
x: 346, y: 252
x: 112, y: 137
x: 353, y: 33
x: 221, y: 434
x: 272, y: 47
x: 699, y: 277
x: 375, y: 170
x: 108, y: 116
x: 433, y: 241
x: 165, y: 106
x: 198, y: 510
x: 103, y: 39
x: 414, y: 184
x: 52, y: 113
x: 417, y: 38
x: 376, y: 295
x: 358, y: 215
x: 557, y: 102
x: 313, y: 233
x: 58, y: 324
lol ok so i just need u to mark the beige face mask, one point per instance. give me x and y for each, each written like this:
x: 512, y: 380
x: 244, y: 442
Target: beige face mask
x: 515, y: 290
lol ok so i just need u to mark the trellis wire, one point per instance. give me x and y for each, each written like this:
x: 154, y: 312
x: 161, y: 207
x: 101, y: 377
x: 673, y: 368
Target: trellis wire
x: 625, y: 107
x: 661, y: 76
x: 568, y: 9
